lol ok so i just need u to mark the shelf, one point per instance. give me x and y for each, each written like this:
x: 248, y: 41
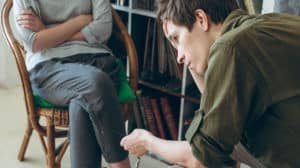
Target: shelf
x: 144, y: 12
x: 121, y: 8
x: 168, y: 91
x: 141, y: 12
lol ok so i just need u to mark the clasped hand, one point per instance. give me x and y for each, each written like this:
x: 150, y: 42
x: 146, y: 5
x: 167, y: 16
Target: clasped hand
x: 28, y: 19
x: 137, y: 142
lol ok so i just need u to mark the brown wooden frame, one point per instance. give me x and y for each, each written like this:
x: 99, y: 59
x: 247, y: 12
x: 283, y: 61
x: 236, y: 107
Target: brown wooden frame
x: 57, y: 120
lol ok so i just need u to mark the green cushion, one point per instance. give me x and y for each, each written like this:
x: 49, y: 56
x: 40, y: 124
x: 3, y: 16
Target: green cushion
x: 125, y: 93
x: 40, y: 102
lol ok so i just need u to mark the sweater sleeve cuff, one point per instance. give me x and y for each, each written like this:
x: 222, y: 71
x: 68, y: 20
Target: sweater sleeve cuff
x: 88, y: 35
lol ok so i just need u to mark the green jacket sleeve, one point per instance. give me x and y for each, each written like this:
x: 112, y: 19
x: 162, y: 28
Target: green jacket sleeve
x: 226, y: 102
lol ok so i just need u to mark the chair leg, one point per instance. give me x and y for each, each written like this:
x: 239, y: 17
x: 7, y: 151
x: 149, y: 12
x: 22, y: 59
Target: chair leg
x: 50, y: 145
x: 62, y: 151
x: 25, y: 142
x: 238, y: 165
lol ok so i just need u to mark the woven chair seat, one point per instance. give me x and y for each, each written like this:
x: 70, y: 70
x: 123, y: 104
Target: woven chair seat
x: 59, y: 116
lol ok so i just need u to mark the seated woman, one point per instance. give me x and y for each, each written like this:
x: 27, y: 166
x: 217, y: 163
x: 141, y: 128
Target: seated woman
x: 70, y: 65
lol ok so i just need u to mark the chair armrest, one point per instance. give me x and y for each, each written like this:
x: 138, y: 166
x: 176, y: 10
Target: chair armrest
x: 130, y: 49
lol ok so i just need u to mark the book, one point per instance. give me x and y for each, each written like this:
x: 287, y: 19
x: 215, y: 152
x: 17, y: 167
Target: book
x: 162, y: 58
x: 173, y: 66
x: 140, y: 4
x: 137, y: 115
x: 147, y: 51
x: 169, y: 117
x: 158, y: 118
x: 141, y: 108
x: 153, y: 60
x: 150, y: 116
x: 143, y: 4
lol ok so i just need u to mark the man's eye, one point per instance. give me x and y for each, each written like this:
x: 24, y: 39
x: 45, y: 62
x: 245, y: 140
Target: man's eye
x: 175, y: 39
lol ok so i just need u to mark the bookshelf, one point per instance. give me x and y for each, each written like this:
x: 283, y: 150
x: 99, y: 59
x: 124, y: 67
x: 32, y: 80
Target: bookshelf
x: 175, y: 85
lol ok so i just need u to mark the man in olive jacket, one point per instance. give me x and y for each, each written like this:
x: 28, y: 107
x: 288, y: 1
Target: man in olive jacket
x: 248, y: 70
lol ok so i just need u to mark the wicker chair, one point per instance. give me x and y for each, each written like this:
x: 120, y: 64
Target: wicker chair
x: 57, y: 119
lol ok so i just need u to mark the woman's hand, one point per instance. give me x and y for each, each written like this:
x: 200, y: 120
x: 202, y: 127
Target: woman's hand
x: 28, y: 19
x: 85, y: 20
x: 137, y: 142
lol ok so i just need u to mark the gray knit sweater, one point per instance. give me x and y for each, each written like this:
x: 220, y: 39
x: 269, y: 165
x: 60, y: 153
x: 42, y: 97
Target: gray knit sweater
x: 53, y: 12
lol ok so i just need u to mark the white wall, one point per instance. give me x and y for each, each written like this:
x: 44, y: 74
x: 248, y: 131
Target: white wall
x: 267, y: 6
x: 8, y: 71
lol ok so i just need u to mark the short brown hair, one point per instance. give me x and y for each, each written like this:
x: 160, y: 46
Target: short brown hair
x: 182, y: 12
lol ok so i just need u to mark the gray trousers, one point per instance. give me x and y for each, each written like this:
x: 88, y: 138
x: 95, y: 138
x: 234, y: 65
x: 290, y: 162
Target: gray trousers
x: 87, y: 84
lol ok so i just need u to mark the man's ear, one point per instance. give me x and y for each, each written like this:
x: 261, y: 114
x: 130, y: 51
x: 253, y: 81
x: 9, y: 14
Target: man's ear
x: 202, y: 19
x: 164, y: 27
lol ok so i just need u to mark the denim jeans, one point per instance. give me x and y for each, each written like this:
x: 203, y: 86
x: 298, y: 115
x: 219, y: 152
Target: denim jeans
x: 87, y: 84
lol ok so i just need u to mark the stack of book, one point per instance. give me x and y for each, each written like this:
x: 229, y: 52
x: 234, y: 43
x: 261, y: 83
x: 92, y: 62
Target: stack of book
x: 159, y: 59
x: 119, y: 2
x: 157, y: 116
x: 144, y: 4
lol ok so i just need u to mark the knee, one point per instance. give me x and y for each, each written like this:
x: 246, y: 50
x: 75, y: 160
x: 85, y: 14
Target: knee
x: 101, y: 83
x: 100, y: 89
x: 102, y: 79
x: 76, y: 110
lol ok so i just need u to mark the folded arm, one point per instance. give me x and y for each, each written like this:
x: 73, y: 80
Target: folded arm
x: 51, y: 37
x: 94, y: 29
x: 99, y: 30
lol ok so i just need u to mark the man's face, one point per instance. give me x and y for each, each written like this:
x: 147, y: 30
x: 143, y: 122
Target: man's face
x: 192, y: 46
